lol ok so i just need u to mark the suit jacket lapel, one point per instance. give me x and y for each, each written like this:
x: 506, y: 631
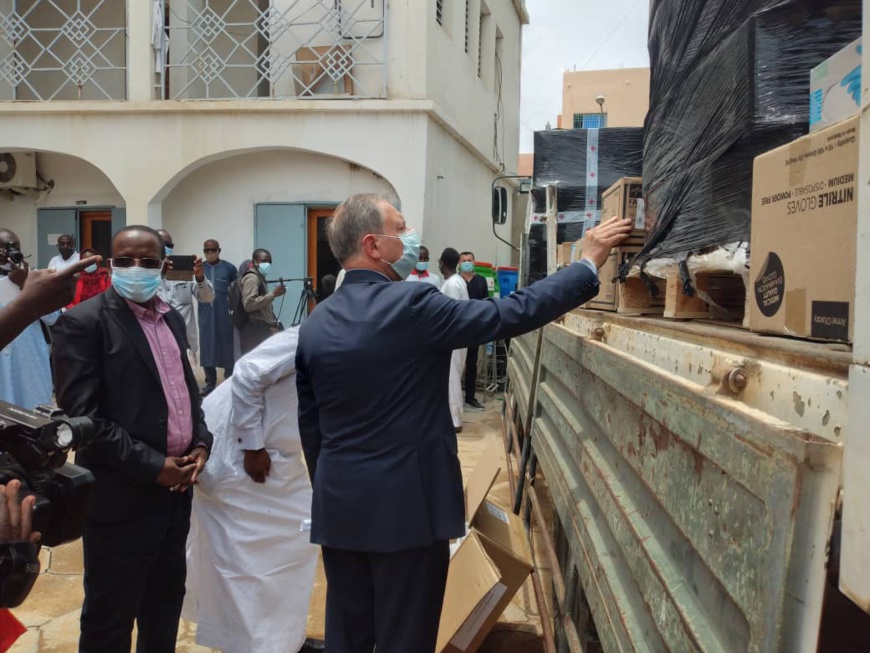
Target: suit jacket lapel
x: 122, y: 313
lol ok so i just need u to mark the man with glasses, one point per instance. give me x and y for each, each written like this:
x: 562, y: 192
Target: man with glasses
x: 180, y: 294
x: 119, y: 359
x: 215, y: 324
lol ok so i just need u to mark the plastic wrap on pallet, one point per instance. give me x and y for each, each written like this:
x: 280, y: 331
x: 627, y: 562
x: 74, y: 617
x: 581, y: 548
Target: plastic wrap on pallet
x: 729, y: 81
x: 583, y: 163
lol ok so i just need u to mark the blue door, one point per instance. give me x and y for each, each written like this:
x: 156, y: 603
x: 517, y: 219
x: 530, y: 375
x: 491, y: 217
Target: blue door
x: 51, y: 223
x: 280, y: 228
x: 119, y: 220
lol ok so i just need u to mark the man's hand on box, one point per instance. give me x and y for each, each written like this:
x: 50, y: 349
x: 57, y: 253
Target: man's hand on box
x: 601, y: 239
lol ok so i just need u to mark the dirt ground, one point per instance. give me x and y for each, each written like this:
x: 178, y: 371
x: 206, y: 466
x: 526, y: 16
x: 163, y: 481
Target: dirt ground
x: 51, y: 613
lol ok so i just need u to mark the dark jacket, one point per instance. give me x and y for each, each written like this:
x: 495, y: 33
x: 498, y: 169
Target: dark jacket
x: 104, y: 369
x: 372, y: 376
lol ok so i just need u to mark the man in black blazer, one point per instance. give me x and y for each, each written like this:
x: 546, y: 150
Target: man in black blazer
x: 372, y: 367
x: 120, y: 359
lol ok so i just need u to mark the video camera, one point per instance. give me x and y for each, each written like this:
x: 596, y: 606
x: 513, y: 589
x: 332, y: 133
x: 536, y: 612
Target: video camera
x: 15, y: 256
x: 34, y: 445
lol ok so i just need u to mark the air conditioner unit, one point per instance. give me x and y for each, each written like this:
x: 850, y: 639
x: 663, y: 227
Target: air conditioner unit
x: 17, y: 170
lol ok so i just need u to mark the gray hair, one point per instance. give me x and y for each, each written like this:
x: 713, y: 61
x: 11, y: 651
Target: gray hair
x: 356, y: 217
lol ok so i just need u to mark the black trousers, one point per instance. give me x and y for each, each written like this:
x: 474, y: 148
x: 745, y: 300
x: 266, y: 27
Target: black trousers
x: 391, y: 601
x: 471, y: 372
x: 211, y: 375
x: 253, y: 334
x: 135, y: 574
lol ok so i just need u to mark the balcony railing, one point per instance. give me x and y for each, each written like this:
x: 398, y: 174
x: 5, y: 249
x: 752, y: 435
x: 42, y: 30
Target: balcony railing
x: 63, y: 50
x: 233, y: 49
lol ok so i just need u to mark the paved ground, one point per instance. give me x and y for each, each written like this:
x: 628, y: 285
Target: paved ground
x: 51, y: 613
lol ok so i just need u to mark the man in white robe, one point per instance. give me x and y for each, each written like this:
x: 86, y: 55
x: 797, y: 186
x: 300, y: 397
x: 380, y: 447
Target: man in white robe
x: 250, y: 565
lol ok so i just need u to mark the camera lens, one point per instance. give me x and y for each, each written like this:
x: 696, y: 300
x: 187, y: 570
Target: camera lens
x: 63, y: 437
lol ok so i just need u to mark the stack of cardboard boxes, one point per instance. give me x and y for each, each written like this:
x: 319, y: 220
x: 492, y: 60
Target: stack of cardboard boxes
x: 625, y: 200
x: 487, y: 568
x: 804, y: 215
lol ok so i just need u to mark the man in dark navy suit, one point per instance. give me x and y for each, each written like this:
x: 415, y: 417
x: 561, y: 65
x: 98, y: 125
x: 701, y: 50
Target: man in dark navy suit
x: 372, y: 367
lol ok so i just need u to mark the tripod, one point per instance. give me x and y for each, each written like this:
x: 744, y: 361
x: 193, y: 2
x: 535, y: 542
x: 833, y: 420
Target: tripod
x: 302, y: 305
x: 305, y: 298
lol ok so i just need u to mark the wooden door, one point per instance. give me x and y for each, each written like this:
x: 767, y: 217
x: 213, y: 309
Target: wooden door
x: 321, y: 261
x: 96, y: 231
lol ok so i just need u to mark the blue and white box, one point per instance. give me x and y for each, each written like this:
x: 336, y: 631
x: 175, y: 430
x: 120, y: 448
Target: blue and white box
x: 835, y: 88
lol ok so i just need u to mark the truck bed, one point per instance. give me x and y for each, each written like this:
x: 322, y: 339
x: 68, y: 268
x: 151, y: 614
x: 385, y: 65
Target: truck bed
x: 695, y: 470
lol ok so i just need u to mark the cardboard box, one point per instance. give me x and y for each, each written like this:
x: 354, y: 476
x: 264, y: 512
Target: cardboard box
x: 623, y: 199
x: 835, y: 88
x: 804, y: 228
x: 488, y: 568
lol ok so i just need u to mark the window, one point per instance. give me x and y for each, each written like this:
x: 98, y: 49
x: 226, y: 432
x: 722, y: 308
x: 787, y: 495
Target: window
x: 467, y: 23
x: 482, y: 27
x: 439, y: 11
x: 590, y: 120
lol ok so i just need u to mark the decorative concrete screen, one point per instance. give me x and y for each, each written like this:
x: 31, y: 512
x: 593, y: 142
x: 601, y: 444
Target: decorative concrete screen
x: 236, y: 49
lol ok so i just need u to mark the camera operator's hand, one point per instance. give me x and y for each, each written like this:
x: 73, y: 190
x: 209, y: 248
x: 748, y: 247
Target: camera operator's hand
x: 177, y: 471
x: 280, y: 290
x: 44, y: 292
x: 16, y: 516
x: 599, y: 240
x: 198, y: 274
x: 18, y: 274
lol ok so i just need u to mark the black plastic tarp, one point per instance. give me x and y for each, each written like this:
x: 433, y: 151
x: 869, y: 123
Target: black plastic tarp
x: 729, y: 81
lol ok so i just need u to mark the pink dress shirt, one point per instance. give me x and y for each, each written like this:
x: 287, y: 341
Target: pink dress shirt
x: 167, y: 356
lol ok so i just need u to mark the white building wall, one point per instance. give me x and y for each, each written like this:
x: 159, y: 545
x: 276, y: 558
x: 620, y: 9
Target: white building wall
x: 471, y: 102
x: 217, y: 201
x: 458, y: 199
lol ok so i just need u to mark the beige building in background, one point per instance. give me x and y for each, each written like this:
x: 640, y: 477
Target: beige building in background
x: 626, y: 98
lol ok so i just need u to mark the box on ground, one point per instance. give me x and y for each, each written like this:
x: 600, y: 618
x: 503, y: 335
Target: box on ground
x: 804, y: 228
x: 488, y: 568
x: 625, y: 199
x: 835, y: 88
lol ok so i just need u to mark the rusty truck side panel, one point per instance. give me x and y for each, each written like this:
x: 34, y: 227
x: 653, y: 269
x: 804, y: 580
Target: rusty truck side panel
x: 697, y: 509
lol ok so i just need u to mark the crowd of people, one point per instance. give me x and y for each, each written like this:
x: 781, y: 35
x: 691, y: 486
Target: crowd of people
x: 340, y: 433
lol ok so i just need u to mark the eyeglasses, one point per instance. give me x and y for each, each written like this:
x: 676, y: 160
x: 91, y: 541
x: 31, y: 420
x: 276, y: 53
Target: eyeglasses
x: 129, y: 262
x: 210, y: 251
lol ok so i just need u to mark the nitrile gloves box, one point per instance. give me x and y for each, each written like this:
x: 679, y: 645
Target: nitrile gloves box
x: 835, y: 88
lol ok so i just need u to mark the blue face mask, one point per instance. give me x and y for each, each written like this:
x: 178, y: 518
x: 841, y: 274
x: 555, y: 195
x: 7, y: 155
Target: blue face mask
x: 410, y: 254
x: 168, y: 251
x: 422, y: 266
x: 136, y: 284
x: 91, y: 268
x: 264, y: 268
x: 466, y: 267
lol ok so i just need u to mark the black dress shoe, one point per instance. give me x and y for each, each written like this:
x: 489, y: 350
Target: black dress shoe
x: 206, y: 391
x: 474, y: 404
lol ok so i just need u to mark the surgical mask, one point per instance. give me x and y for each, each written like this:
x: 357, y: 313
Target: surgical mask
x: 264, y: 268
x: 410, y: 253
x: 136, y: 284
x: 91, y: 268
x: 168, y: 251
x: 466, y: 267
x: 422, y: 266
